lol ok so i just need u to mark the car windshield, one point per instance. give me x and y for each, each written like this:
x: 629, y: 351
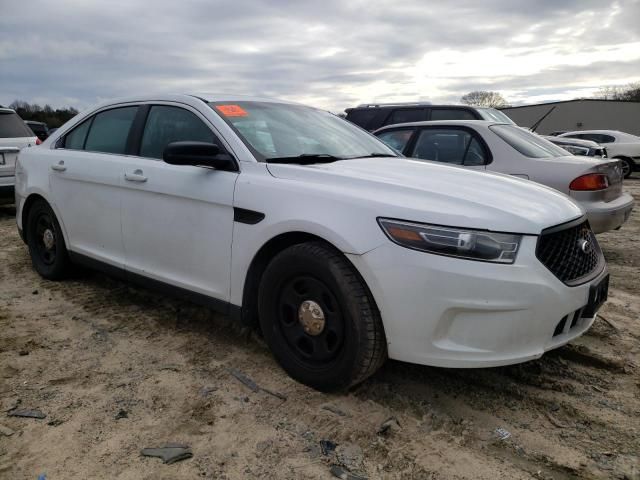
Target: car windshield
x: 495, y: 115
x: 527, y: 143
x: 297, y: 134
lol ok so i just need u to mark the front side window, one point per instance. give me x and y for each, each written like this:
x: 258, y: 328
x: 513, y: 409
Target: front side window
x: 454, y: 146
x: 74, y: 140
x: 171, y: 124
x: 396, y: 139
x: 110, y: 129
x: 451, y: 114
x: 286, y: 133
x: 527, y: 143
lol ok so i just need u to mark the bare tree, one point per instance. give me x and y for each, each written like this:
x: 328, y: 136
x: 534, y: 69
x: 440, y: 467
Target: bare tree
x: 481, y: 98
x: 629, y: 92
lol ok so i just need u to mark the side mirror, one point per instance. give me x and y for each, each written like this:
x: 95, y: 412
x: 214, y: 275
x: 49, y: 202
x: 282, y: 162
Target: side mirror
x: 199, y: 154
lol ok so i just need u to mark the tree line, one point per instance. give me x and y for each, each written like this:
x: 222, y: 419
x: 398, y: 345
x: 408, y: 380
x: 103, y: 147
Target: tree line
x: 47, y: 114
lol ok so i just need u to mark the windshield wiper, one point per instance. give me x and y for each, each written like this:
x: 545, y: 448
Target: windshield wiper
x: 374, y: 154
x: 306, y: 159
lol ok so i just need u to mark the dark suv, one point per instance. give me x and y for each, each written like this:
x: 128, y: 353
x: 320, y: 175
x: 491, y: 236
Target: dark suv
x: 39, y: 128
x: 374, y: 116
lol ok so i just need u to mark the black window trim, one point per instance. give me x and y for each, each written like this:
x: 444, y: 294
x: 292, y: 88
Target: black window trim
x: 474, y: 133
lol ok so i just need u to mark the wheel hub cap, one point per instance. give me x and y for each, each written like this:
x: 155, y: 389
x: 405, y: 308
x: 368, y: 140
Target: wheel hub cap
x: 48, y: 239
x: 311, y: 317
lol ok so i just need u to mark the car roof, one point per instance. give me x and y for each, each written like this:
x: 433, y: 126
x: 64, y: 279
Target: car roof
x: 34, y: 122
x: 404, y: 105
x: 206, y: 97
x: 7, y: 110
x: 453, y: 123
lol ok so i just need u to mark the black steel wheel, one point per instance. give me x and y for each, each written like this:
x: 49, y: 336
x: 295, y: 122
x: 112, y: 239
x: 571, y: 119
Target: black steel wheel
x: 46, y: 242
x: 319, y: 319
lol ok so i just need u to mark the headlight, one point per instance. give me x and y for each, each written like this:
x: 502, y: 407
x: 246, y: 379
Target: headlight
x: 455, y: 242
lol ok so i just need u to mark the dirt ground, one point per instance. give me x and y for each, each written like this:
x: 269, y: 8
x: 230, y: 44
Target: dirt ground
x: 116, y: 369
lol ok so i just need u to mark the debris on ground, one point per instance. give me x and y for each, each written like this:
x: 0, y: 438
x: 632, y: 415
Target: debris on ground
x: 206, y: 391
x: 170, y: 453
x: 6, y: 431
x: 327, y: 447
x: 502, y: 434
x: 555, y: 421
x: 244, y: 379
x: 122, y: 414
x: 55, y: 423
x: 274, y: 393
x: 350, y: 456
x: 339, y: 472
x: 26, y: 413
x: 390, y: 425
x: 332, y: 409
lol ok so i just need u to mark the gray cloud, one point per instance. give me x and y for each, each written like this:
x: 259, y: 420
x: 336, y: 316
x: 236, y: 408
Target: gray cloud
x: 333, y: 53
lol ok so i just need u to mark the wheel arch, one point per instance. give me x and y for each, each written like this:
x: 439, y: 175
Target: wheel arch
x: 261, y: 259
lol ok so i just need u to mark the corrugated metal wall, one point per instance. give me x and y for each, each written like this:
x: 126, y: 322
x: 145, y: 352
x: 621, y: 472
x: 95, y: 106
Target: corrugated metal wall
x: 579, y: 115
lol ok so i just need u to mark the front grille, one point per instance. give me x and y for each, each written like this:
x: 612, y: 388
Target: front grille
x: 563, y: 251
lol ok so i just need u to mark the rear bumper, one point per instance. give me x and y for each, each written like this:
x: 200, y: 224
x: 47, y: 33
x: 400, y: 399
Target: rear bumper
x: 610, y: 215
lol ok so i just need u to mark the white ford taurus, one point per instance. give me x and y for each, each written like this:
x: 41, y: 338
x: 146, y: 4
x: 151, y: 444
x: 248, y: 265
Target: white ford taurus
x: 290, y: 218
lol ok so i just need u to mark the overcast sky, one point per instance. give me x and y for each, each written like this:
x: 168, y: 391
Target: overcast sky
x: 328, y: 53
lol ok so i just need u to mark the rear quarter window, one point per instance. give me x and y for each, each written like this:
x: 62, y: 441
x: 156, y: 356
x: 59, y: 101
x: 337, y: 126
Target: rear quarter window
x: 12, y: 126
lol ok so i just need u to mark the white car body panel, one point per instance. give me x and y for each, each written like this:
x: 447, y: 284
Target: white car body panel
x: 177, y: 227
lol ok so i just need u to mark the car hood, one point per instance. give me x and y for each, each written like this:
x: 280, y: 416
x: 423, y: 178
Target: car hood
x: 431, y: 192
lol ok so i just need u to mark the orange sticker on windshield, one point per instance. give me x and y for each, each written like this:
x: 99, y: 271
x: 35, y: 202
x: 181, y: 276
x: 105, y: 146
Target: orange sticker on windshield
x: 232, y: 110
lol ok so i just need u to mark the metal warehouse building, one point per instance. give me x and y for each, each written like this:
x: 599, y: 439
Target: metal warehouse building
x: 582, y: 114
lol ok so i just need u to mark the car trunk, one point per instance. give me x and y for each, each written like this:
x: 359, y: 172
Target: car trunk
x: 613, y: 170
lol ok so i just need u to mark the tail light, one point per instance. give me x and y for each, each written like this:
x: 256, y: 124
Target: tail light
x: 590, y: 182
x: 38, y: 141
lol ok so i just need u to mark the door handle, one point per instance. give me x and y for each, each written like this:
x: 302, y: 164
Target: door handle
x: 59, y: 167
x: 136, y: 176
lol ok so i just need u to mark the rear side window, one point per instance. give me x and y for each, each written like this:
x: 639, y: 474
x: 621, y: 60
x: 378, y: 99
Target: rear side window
x: 171, y: 124
x: 600, y: 137
x: 527, y: 143
x: 362, y: 118
x: 405, y: 115
x: 454, y: 146
x: 12, y: 126
x: 396, y: 139
x: 75, y: 139
x: 451, y: 114
x: 110, y: 129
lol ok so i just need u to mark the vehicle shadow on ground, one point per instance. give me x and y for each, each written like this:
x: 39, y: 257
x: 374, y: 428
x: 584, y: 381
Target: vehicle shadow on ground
x: 7, y: 211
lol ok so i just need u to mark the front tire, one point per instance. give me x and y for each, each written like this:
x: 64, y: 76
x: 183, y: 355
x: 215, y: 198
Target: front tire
x: 46, y: 243
x: 319, y: 319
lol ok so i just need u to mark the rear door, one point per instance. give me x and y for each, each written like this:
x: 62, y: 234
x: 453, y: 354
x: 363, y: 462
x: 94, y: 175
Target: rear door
x: 177, y: 220
x: 453, y: 145
x: 86, y: 177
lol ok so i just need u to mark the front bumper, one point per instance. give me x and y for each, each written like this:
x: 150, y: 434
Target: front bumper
x: 450, y: 312
x: 605, y: 216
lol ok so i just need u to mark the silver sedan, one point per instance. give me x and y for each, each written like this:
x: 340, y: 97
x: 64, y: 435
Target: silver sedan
x: 595, y: 183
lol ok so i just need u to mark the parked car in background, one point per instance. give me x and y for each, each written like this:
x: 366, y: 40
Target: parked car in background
x: 557, y: 132
x: 52, y: 130
x: 39, y: 128
x: 374, y: 116
x: 575, y: 146
x: 294, y: 219
x: 14, y: 135
x: 594, y: 182
x: 623, y: 146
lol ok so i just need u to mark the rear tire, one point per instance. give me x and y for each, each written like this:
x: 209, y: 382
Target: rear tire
x: 627, y: 167
x: 46, y: 243
x: 319, y: 319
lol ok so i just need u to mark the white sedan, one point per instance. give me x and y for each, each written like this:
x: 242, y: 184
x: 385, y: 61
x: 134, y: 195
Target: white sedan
x: 623, y: 146
x: 291, y: 219
x: 14, y: 135
x: 595, y: 183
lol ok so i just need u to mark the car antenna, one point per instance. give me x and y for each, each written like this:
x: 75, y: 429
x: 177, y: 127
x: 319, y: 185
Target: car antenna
x: 537, y: 124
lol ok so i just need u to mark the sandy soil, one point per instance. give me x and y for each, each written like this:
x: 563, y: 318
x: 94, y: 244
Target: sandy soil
x: 117, y: 369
